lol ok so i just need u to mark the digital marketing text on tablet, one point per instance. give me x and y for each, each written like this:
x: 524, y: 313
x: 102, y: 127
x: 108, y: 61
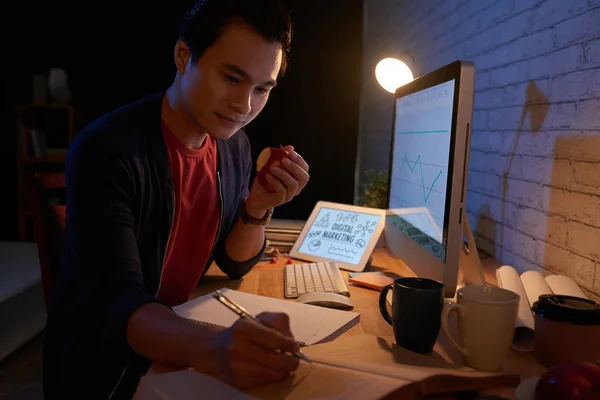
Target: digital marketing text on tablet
x: 342, y: 233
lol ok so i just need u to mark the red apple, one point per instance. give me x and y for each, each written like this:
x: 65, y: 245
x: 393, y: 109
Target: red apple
x: 266, y: 159
x: 570, y: 381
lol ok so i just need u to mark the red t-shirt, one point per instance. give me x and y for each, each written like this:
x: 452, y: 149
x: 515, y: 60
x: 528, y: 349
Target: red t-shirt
x: 197, y: 210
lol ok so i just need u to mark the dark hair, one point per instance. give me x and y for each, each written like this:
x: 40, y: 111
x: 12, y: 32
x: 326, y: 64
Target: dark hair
x: 204, y: 23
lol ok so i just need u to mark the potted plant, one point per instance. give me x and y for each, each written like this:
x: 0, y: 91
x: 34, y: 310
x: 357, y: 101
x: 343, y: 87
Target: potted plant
x: 374, y: 189
x: 375, y: 192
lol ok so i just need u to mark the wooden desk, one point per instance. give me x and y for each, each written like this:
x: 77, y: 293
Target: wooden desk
x: 267, y: 279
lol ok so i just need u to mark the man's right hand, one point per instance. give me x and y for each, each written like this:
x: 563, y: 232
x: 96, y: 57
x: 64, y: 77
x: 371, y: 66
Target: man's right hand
x: 249, y: 355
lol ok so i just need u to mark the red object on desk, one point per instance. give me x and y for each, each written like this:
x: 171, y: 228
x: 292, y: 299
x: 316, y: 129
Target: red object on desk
x: 570, y: 381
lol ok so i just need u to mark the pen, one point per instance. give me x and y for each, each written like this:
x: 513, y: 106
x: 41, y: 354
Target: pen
x: 243, y: 313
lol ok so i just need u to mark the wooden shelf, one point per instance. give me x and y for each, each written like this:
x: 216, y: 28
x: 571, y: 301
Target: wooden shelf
x: 57, y: 125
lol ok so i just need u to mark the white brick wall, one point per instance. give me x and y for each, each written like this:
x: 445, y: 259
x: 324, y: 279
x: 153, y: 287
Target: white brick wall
x: 538, y: 58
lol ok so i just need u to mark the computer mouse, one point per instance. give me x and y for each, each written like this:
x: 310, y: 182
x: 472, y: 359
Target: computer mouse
x: 326, y: 299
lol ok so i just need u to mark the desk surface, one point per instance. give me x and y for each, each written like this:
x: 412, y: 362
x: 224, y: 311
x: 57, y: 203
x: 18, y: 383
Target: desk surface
x: 267, y: 279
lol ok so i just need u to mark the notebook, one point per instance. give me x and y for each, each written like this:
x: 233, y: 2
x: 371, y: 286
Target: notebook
x: 309, y: 324
x: 372, y: 281
x: 353, y: 367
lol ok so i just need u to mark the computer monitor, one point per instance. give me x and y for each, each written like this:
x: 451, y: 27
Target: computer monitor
x: 427, y: 184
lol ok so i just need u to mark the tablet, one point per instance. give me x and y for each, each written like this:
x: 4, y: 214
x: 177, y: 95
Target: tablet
x: 343, y: 233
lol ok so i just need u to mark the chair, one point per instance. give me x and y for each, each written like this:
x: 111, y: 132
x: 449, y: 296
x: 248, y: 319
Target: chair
x: 49, y: 215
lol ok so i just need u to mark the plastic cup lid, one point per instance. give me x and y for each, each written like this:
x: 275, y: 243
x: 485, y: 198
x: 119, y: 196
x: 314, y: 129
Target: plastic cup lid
x: 567, y: 309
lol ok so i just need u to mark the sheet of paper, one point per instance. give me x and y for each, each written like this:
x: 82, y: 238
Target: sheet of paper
x: 535, y: 285
x: 523, y: 339
x: 186, y: 384
x: 564, y: 285
x: 309, y: 324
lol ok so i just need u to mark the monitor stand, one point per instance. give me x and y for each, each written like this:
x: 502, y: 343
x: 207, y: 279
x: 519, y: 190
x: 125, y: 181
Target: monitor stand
x: 470, y: 264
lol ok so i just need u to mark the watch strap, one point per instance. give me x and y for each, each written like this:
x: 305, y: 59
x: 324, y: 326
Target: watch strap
x: 249, y: 219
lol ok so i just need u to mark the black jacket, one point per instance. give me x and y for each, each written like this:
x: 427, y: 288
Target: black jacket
x: 120, y: 205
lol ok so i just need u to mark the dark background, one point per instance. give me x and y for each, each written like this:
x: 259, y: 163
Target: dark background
x: 116, y: 52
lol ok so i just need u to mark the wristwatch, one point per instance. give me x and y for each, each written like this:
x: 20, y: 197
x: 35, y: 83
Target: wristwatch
x: 249, y: 219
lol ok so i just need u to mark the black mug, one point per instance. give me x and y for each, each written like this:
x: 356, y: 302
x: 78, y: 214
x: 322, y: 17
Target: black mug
x: 416, y: 312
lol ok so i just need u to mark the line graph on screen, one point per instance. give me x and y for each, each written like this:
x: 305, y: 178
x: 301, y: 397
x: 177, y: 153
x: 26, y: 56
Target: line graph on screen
x: 427, y: 188
x: 421, y: 150
x: 420, y: 171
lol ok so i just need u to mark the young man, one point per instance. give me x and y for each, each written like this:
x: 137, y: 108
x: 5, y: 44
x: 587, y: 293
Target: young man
x: 156, y: 191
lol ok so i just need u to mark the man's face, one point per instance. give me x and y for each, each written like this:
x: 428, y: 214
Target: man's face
x: 230, y: 83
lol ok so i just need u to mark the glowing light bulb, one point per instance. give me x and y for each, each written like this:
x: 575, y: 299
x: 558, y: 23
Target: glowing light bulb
x: 392, y: 73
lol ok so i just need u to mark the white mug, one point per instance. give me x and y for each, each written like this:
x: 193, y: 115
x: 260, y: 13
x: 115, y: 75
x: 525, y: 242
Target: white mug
x: 486, y: 323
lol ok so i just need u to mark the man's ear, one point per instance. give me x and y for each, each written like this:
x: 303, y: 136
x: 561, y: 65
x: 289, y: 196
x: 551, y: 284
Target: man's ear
x: 182, y: 56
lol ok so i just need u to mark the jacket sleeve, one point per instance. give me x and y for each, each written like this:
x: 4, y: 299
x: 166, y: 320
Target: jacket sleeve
x: 103, y: 254
x: 235, y: 269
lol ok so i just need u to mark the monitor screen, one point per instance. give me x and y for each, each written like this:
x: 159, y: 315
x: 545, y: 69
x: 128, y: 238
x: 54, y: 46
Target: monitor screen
x: 420, y: 161
x: 339, y: 235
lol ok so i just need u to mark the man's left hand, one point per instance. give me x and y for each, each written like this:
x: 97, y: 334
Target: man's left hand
x: 287, y: 178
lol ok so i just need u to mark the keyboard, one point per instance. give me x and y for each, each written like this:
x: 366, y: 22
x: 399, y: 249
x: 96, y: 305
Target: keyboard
x: 306, y: 278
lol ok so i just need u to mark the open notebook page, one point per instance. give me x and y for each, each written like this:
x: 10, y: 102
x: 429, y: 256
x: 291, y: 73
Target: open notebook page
x: 316, y: 380
x: 307, y: 382
x: 373, y: 354
x: 309, y: 324
x: 367, y: 366
x: 355, y: 367
x: 563, y: 285
x: 185, y: 384
x: 535, y: 285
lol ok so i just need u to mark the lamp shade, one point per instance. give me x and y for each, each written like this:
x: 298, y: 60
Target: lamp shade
x: 392, y: 73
